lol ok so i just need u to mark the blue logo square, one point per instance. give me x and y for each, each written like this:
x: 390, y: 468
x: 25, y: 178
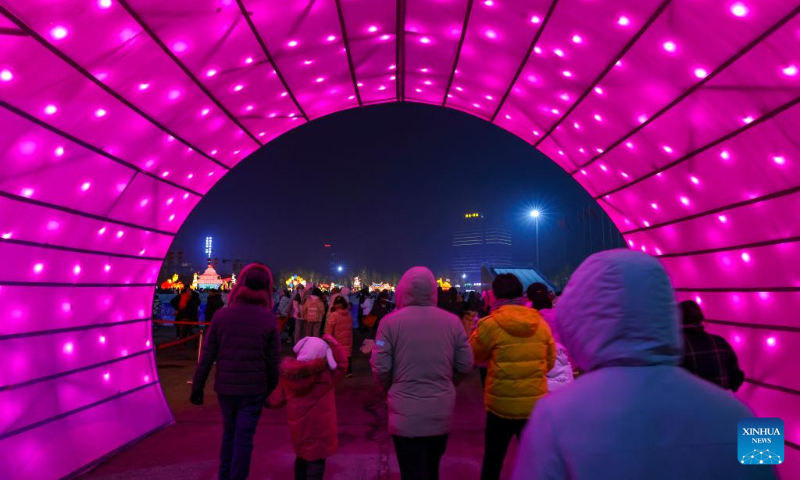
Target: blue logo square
x: 760, y: 441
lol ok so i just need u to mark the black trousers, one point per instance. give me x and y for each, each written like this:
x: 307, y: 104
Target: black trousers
x: 419, y: 457
x: 309, y: 469
x: 496, y: 440
x: 240, y: 414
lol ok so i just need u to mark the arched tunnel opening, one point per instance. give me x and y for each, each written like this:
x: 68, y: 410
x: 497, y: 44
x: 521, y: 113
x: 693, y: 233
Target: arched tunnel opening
x: 118, y: 116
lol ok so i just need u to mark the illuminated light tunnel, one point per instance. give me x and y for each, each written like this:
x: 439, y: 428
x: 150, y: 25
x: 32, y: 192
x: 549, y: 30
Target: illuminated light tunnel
x: 678, y: 116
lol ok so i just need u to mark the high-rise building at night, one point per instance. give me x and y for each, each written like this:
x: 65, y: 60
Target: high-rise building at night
x: 477, y: 241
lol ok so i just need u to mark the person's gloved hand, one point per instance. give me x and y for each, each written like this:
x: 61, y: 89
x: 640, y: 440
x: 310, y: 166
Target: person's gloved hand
x: 197, y: 397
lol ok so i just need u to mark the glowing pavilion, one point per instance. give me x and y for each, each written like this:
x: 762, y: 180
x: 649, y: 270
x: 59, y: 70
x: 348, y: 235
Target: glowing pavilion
x: 679, y: 117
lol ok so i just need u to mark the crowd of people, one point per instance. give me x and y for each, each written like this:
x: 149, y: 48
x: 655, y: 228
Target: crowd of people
x: 650, y: 400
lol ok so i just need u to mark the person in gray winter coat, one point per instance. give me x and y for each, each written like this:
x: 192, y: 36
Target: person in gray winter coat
x: 634, y: 413
x: 420, y: 354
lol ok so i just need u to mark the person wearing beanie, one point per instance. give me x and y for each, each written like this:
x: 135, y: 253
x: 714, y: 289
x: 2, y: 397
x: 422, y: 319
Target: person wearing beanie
x: 244, y: 342
x: 706, y: 355
x: 306, y: 388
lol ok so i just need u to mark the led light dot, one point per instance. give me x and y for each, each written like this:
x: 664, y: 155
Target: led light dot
x: 6, y: 75
x: 59, y: 32
x: 739, y: 9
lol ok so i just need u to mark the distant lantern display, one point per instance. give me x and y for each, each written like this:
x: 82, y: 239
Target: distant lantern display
x: 295, y: 281
x: 208, y: 280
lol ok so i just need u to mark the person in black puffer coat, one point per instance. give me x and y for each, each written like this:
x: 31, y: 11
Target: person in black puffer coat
x: 245, y: 343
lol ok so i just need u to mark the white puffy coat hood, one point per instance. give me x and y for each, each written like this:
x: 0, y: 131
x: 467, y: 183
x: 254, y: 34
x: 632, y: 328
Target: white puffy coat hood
x: 619, y: 309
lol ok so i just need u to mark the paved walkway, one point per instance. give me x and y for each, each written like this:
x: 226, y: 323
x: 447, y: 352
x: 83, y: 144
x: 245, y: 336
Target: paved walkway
x: 189, y: 449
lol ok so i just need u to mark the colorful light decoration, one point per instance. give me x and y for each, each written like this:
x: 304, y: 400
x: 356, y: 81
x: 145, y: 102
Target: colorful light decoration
x: 295, y: 281
x: 742, y: 155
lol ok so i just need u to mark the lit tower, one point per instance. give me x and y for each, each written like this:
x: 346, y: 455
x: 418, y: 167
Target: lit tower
x: 209, y: 241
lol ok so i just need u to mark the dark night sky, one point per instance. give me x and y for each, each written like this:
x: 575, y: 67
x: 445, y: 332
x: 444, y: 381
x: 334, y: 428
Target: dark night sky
x: 385, y: 185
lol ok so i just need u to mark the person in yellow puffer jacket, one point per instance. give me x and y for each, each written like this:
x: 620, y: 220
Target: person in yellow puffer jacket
x: 519, y: 348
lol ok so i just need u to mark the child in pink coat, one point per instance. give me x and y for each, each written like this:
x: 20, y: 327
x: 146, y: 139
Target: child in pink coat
x: 306, y: 388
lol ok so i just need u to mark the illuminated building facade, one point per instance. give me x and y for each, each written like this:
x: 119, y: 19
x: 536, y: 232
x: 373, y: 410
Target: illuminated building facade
x: 477, y: 241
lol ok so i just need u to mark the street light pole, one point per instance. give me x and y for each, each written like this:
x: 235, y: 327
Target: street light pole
x: 537, y: 242
x: 535, y: 214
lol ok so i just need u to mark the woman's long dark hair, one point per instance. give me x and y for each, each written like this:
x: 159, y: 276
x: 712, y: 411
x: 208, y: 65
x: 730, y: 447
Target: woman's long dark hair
x: 539, y: 296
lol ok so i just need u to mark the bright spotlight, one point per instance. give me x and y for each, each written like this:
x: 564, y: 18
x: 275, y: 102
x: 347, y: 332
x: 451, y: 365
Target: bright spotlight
x: 535, y: 213
x: 339, y: 268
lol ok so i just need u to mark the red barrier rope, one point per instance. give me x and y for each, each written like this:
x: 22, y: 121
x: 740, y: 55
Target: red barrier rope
x: 164, y: 345
x: 174, y: 322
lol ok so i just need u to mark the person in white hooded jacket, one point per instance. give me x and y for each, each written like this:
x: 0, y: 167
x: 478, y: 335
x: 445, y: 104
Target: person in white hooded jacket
x: 420, y: 354
x: 635, y: 413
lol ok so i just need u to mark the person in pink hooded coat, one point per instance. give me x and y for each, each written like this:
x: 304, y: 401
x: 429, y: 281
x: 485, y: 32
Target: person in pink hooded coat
x: 306, y: 388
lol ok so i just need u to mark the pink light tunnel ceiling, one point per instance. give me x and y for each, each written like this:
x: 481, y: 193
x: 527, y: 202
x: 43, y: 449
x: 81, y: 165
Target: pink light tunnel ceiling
x: 117, y: 116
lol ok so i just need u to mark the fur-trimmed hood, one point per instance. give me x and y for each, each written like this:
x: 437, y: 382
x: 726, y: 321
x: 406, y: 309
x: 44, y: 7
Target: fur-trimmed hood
x: 302, y: 375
